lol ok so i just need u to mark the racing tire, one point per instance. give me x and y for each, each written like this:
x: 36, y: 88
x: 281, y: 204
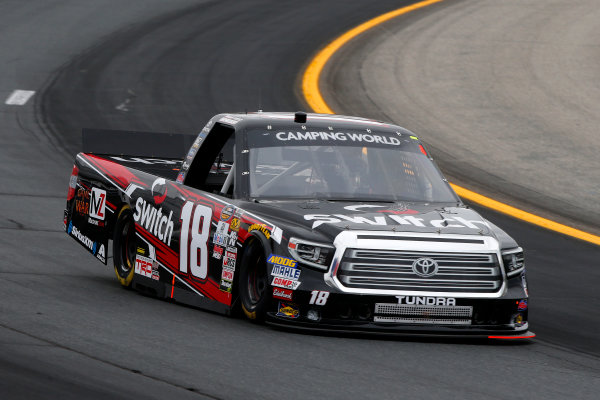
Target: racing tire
x: 124, y: 246
x: 253, y: 283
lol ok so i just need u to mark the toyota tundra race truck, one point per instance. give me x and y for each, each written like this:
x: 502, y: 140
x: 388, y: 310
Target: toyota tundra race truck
x: 303, y: 220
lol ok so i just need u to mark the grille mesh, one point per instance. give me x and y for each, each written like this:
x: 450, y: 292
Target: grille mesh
x: 393, y: 270
x: 424, y: 311
x: 424, y: 321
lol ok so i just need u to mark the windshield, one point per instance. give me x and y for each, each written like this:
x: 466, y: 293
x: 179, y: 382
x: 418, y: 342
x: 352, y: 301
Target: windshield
x: 352, y: 171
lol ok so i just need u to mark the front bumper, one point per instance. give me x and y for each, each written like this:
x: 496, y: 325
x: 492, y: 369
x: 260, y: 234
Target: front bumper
x: 489, y: 318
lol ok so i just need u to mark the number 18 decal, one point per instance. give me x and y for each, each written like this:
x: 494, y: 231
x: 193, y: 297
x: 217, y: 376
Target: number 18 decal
x: 318, y: 297
x: 193, y: 246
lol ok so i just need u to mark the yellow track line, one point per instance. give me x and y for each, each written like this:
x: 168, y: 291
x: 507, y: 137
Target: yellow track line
x: 312, y: 94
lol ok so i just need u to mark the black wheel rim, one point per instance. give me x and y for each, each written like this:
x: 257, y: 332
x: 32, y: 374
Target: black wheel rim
x: 127, y: 250
x: 257, y: 282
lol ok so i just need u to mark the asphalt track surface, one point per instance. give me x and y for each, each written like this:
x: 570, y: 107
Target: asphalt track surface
x: 505, y: 94
x: 67, y: 330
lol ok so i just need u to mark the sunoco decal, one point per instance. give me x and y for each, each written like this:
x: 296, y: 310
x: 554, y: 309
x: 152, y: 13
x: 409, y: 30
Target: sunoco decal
x: 287, y: 310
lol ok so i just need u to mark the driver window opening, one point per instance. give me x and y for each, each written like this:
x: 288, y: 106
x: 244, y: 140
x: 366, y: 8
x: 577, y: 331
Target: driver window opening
x: 212, y: 169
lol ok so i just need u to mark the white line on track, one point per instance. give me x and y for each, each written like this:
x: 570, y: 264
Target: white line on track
x: 19, y: 97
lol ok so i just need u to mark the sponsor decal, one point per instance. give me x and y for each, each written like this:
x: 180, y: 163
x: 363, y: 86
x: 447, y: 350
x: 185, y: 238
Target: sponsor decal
x: 141, y: 250
x: 180, y: 177
x: 227, y: 274
x: 283, y: 261
x: 524, y: 283
x: 155, y: 275
x: 222, y: 228
x: 221, y: 240
x: 522, y: 305
x: 101, y: 254
x: 225, y: 240
x: 232, y: 239
x: 287, y: 310
x: 286, y: 272
x: 153, y: 220
x: 97, y: 204
x: 98, y: 251
x: 159, y: 190
x: 82, y: 201
x: 225, y: 285
x: 230, y: 119
x: 235, y: 225
x: 427, y: 301
x: 391, y: 217
x: 143, y: 266
x: 229, y: 258
x: 283, y: 294
x: 220, y: 237
x: 276, y: 234
x: 261, y: 228
x: 148, y: 161
x: 285, y: 283
x: 93, y: 221
x: 86, y: 241
x: 192, y: 152
x: 227, y: 213
x: 228, y: 270
x: 217, y: 252
x: 337, y: 137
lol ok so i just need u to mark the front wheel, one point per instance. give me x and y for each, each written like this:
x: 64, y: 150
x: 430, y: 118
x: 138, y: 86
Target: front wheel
x: 254, y: 283
x: 124, y: 246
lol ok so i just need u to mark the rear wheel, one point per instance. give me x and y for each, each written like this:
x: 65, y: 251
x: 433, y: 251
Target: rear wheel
x: 254, y: 283
x: 124, y: 246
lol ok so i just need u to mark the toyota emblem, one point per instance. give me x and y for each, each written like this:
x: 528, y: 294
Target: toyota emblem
x: 425, y: 267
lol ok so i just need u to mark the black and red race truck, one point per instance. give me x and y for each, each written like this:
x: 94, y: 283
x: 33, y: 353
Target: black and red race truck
x: 306, y: 220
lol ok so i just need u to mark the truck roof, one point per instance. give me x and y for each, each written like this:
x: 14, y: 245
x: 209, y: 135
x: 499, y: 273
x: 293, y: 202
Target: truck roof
x: 308, y: 120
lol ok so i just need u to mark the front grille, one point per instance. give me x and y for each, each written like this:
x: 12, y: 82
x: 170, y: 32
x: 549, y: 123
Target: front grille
x: 419, y: 314
x: 431, y: 311
x: 425, y: 321
x: 393, y: 270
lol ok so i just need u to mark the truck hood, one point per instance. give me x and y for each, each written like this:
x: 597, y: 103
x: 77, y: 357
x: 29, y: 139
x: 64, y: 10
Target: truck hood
x: 332, y: 217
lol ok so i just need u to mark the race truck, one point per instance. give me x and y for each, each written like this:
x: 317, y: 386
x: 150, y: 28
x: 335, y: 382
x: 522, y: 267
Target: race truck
x: 301, y: 220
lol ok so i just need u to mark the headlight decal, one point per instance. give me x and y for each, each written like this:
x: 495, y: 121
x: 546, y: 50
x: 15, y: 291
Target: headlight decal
x: 313, y: 254
x: 514, y: 262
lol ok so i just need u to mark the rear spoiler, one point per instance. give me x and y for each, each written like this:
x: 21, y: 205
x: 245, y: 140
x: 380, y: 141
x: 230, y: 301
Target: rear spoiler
x: 135, y: 143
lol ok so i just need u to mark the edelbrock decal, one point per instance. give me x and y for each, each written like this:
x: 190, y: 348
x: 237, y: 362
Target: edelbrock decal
x: 283, y: 294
